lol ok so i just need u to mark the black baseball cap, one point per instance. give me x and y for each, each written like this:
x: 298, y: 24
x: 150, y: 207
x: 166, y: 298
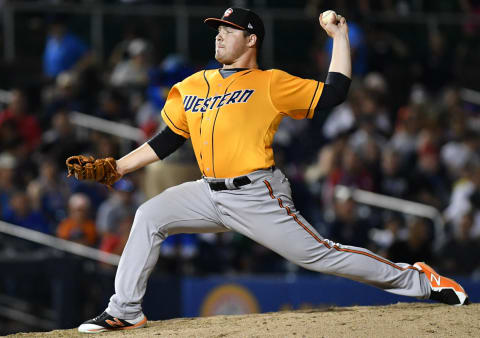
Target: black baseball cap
x: 240, y: 18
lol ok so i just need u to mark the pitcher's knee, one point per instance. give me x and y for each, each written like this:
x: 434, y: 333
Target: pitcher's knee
x: 304, y: 260
x: 314, y: 260
x: 155, y: 220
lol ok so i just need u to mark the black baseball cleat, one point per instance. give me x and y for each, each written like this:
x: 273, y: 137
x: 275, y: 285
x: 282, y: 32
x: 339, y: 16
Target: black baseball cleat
x: 105, y: 322
x: 443, y: 290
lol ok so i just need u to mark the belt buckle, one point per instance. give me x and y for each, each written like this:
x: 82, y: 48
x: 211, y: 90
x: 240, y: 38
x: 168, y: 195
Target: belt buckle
x: 229, y: 183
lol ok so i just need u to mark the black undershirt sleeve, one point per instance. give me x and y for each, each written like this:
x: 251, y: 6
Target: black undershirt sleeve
x: 334, y: 92
x: 166, y: 142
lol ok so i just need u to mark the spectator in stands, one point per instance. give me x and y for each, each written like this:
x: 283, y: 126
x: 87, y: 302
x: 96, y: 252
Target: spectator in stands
x: 351, y: 172
x: 215, y: 253
x: 461, y: 254
x: 120, y: 204
x: 53, y: 191
x: 461, y: 148
x: 349, y: 226
x: 62, y: 140
x: 370, y: 153
x: 25, y: 124
x: 120, y: 51
x: 429, y: 182
x: 367, y: 122
x: 409, y: 122
x: 465, y: 199
x: 63, y: 50
x: 65, y: 95
x: 78, y: 227
x: 133, y: 72
x: 20, y: 211
x: 417, y: 246
x: 114, y: 241
x: 9, y: 138
x: 364, y: 113
x: 436, y: 62
x: 392, y: 229
x: 7, y: 180
x: 328, y: 159
x: 105, y: 145
x: 114, y: 106
x: 229, y: 252
x: 394, y: 180
x: 318, y: 177
x: 180, y: 249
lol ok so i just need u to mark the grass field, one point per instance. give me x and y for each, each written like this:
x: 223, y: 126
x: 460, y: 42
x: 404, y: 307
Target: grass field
x: 399, y: 320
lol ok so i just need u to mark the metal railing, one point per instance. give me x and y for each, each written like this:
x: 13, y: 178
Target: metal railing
x: 399, y: 205
x: 59, y: 244
x: 109, y: 127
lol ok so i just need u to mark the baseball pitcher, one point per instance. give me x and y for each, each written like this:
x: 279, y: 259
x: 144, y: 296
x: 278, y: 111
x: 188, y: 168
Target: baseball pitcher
x: 231, y: 116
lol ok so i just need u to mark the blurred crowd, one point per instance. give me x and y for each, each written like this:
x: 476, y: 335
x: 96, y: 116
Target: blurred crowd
x: 406, y: 131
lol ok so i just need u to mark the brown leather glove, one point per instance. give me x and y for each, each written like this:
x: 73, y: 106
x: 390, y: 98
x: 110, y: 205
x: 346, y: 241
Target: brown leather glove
x: 103, y: 170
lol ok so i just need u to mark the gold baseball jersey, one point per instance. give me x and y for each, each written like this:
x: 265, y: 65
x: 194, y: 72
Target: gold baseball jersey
x: 232, y: 121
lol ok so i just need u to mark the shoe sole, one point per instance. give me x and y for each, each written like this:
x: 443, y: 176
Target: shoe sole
x: 92, y: 328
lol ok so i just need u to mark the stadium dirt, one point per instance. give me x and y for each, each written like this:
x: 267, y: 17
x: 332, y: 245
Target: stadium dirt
x: 399, y: 320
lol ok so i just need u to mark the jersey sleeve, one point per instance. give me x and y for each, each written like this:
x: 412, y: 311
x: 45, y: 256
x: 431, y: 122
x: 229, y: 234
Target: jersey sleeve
x: 173, y: 113
x: 294, y: 96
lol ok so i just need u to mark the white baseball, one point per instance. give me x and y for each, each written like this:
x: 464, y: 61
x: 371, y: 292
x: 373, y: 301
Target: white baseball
x: 329, y: 16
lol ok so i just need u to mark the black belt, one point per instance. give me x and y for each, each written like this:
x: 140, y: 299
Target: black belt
x: 237, y: 182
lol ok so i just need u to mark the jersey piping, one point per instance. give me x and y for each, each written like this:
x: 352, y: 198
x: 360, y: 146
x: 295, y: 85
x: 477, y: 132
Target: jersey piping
x: 323, y: 242
x: 173, y: 124
x: 311, y: 102
x: 215, y: 121
x: 201, y: 118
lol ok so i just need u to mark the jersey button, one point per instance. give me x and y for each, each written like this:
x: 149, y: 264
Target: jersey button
x: 208, y: 169
x: 206, y: 142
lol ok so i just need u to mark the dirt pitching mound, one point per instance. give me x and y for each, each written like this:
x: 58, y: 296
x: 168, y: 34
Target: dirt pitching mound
x: 399, y: 320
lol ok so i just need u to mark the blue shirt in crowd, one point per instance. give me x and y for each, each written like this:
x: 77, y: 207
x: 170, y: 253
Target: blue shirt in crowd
x: 34, y: 220
x: 356, y: 37
x: 61, y: 55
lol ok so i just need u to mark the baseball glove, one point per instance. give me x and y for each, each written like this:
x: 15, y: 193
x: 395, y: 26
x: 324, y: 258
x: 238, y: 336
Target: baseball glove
x: 102, y: 170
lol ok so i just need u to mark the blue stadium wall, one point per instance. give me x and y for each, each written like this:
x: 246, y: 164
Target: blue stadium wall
x: 220, y: 295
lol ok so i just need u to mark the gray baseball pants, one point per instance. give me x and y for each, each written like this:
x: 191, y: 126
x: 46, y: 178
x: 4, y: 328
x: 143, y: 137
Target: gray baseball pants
x: 263, y: 211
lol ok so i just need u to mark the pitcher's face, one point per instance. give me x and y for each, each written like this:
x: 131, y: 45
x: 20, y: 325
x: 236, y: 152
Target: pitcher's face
x: 230, y: 44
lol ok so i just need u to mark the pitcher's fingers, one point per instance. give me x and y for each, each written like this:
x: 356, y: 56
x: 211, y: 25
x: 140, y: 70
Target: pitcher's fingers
x: 321, y: 21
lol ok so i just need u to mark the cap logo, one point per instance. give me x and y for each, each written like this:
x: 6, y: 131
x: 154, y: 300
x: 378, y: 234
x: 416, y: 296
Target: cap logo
x: 250, y: 26
x: 227, y: 13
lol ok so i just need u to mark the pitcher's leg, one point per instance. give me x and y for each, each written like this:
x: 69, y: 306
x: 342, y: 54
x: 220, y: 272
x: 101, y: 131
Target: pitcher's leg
x: 275, y: 223
x: 306, y: 248
x: 184, y: 208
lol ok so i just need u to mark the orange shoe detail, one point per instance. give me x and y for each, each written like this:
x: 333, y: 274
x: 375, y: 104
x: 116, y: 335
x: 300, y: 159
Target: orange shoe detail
x: 115, y: 322
x: 136, y: 326
x: 440, y: 283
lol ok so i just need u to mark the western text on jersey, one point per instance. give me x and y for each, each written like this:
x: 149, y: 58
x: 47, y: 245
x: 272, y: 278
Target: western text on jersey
x: 200, y: 105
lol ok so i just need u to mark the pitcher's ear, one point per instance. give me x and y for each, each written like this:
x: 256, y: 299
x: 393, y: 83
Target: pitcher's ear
x: 252, y: 40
